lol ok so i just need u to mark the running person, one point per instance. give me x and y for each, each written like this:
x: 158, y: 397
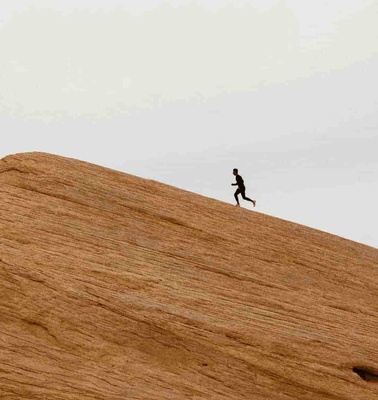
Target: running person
x: 240, y: 189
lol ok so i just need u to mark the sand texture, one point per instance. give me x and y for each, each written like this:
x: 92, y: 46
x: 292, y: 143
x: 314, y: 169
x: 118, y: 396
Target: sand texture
x: 114, y: 287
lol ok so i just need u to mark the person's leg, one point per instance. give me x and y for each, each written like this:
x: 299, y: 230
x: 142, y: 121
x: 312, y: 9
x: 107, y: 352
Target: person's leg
x: 236, y: 197
x: 247, y: 198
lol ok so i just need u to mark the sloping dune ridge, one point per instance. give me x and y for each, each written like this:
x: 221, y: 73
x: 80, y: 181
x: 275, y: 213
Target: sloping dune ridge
x: 116, y: 287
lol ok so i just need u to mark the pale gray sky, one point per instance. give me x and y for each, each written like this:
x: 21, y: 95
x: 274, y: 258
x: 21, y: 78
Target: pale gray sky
x: 183, y: 91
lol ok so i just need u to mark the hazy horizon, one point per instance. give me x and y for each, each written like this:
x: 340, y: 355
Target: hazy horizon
x: 182, y: 92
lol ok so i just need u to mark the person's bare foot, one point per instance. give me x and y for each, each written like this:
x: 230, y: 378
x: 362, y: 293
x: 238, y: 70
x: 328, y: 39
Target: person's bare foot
x: 254, y: 203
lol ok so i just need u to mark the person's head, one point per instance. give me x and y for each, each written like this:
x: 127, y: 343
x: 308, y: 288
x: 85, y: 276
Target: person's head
x: 235, y: 171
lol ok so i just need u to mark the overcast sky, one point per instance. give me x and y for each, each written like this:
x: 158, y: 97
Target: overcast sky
x: 184, y: 91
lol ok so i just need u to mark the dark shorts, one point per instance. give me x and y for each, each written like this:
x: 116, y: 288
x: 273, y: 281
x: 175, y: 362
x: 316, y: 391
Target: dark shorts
x: 240, y: 191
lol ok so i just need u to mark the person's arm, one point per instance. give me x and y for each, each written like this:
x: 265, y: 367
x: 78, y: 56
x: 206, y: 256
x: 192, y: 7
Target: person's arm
x: 234, y: 184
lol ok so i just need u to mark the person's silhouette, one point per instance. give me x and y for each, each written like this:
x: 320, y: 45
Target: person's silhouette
x: 240, y: 189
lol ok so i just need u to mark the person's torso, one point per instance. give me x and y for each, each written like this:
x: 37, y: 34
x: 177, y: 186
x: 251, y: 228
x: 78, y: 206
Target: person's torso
x: 240, y: 182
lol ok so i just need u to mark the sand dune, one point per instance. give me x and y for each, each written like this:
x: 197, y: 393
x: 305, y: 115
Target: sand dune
x: 116, y: 287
